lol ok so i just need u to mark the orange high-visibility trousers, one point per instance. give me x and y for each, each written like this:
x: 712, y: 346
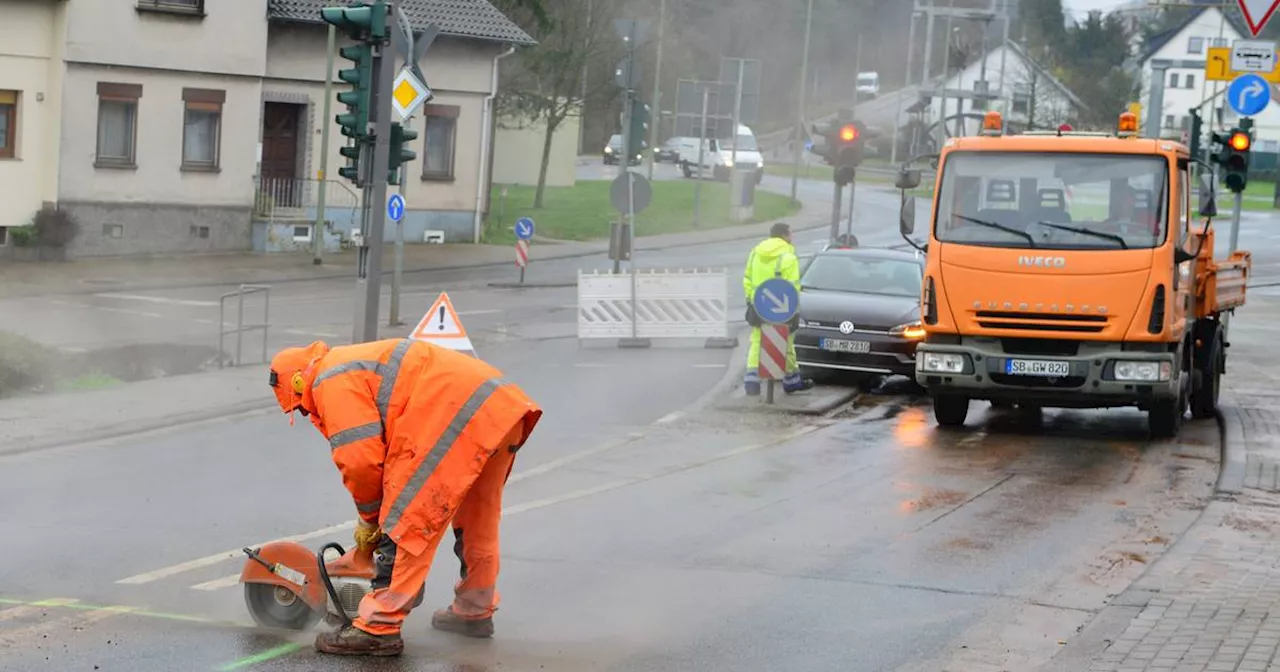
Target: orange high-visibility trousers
x: 475, y: 522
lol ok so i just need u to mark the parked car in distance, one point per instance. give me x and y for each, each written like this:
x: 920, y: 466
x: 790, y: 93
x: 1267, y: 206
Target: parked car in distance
x: 614, y: 149
x: 669, y: 151
x: 860, y: 313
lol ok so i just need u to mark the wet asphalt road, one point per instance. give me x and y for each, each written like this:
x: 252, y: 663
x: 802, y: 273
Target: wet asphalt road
x: 865, y: 541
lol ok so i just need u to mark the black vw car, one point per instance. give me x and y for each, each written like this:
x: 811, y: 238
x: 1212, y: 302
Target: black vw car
x: 860, y: 313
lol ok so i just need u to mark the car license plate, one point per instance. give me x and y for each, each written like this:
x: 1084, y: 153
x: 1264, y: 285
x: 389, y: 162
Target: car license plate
x: 1037, y: 367
x: 840, y: 345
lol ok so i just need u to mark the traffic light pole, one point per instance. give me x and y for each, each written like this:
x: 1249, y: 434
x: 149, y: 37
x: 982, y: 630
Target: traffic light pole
x: 369, y: 273
x: 848, y: 230
x: 1235, y: 222
x: 835, y: 210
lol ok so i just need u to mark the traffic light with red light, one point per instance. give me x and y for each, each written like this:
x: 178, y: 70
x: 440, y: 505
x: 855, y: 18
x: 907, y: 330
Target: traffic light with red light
x: 1232, y: 153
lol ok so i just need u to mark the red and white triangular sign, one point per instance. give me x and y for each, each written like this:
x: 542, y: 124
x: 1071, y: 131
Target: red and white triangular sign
x: 441, y: 326
x: 1257, y: 13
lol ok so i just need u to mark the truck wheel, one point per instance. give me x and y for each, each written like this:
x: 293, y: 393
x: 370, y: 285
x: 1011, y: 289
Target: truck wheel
x: 684, y: 168
x: 1209, y: 360
x: 1164, y: 418
x: 950, y: 410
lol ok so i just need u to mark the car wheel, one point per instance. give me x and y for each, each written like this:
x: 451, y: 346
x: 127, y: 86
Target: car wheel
x: 950, y: 410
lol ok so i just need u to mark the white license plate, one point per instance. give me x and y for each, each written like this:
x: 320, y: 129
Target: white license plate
x: 840, y: 345
x: 1037, y: 367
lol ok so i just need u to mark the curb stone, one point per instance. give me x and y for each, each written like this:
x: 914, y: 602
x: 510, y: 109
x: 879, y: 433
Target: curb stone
x: 1232, y: 475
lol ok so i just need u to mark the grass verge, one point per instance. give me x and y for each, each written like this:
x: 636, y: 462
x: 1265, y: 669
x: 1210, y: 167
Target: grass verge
x: 583, y: 211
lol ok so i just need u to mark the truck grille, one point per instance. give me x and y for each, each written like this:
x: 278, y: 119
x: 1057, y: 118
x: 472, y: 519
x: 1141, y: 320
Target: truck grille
x: 1084, y: 324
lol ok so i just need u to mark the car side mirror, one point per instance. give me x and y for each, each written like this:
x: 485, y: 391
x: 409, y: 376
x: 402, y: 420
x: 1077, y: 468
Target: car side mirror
x: 907, y: 215
x: 1208, y: 197
x: 907, y: 179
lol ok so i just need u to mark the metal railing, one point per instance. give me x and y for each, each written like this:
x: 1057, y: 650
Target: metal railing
x: 241, y: 327
x: 283, y: 198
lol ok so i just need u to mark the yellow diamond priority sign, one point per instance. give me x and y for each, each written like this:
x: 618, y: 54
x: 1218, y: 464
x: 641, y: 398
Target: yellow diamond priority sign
x: 408, y: 93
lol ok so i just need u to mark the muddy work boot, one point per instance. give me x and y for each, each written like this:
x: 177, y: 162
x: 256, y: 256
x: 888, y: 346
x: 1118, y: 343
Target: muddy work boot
x: 352, y: 641
x: 751, y: 384
x: 449, y: 620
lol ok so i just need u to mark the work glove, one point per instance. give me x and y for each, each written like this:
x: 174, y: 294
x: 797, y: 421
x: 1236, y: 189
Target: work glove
x: 367, y: 535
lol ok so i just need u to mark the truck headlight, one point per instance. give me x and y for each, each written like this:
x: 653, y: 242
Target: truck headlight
x: 1147, y: 372
x: 760, y: 165
x: 608, y: 150
x: 941, y: 362
x: 728, y: 163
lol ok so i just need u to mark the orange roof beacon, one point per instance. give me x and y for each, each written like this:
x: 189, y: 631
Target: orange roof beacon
x: 1067, y: 269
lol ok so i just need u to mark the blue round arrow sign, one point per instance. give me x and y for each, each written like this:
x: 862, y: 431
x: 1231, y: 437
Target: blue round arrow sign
x: 524, y: 228
x: 776, y: 300
x: 395, y: 207
x: 1249, y: 94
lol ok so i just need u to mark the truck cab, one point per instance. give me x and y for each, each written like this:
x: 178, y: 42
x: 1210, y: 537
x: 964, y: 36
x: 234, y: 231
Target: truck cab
x: 1067, y: 270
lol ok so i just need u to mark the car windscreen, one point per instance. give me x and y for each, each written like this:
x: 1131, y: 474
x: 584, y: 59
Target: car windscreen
x: 1053, y: 200
x: 842, y: 273
x: 615, y: 141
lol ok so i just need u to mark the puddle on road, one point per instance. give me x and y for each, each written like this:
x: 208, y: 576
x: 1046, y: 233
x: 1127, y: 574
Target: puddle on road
x: 932, y: 498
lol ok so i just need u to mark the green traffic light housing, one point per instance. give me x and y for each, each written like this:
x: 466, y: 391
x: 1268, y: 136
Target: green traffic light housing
x: 1236, y: 159
x: 400, y: 153
x: 639, y: 127
x: 360, y: 21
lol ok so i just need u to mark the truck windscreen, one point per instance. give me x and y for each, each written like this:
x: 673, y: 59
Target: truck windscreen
x: 1053, y: 200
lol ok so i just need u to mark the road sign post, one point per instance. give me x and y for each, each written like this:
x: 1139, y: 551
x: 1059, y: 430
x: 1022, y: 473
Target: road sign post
x: 524, y: 233
x: 630, y: 193
x: 395, y: 212
x: 776, y: 301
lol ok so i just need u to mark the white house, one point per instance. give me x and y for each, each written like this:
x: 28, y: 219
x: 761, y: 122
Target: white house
x: 162, y: 126
x: 1031, y: 95
x: 1187, y: 88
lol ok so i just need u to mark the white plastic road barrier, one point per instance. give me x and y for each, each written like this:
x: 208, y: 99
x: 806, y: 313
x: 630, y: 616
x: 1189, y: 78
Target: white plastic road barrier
x: 669, y: 304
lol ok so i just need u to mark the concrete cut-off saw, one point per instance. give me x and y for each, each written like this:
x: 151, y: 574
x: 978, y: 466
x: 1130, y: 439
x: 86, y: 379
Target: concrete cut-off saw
x: 287, y: 586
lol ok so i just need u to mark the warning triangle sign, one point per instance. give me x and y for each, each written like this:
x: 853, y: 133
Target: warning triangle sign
x: 1257, y: 13
x: 441, y: 326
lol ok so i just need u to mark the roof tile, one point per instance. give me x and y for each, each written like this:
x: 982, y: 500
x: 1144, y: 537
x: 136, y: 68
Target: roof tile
x: 476, y: 19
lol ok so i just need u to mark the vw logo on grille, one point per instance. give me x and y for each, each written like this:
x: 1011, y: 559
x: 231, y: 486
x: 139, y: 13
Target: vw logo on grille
x: 846, y: 327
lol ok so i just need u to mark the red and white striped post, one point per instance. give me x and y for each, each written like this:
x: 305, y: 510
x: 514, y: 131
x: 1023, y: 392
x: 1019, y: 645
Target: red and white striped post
x: 522, y: 257
x: 773, y: 355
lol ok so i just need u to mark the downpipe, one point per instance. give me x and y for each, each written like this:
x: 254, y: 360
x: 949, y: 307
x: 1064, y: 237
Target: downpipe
x: 486, y: 139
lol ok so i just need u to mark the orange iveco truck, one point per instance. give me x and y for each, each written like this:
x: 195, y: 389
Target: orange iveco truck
x: 1068, y: 270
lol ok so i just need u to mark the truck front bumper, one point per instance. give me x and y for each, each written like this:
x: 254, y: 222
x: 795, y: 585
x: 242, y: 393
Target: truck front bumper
x: 1098, y: 375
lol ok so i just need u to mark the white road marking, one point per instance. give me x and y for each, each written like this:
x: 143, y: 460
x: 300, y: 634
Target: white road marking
x: 593, y: 365
x: 670, y: 417
x: 303, y: 332
x: 157, y: 299
x: 709, y: 366
x: 210, y: 560
x: 462, y: 313
x: 218, y: 584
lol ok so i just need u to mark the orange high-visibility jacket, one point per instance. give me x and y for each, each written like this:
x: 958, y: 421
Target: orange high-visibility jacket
x: 411, y: 426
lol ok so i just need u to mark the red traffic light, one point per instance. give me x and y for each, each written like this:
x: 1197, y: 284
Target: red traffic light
x: 848, y: 133
x: 1240, y: 141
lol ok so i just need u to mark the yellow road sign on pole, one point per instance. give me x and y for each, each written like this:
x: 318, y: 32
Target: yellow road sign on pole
x: 1217, y: 67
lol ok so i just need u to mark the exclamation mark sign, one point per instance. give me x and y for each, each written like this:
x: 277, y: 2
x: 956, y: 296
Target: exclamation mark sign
x: 441, y: 318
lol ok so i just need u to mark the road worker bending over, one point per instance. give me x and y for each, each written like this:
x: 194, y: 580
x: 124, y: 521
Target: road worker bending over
x: 422, y: 436
x: 774, y: 257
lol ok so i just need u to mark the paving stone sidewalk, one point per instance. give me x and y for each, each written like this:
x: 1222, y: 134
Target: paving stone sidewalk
x: 1213, y: 602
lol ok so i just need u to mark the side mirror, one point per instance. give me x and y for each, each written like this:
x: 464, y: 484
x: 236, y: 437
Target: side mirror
x: 907, y: 179
x: 907, y: 216
x: 1208, y: 197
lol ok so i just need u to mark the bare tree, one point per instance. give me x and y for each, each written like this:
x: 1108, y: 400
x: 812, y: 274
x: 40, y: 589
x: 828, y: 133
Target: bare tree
x: 546, y: 83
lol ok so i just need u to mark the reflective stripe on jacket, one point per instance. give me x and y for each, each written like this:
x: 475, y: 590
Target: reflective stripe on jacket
x: 410, y: 426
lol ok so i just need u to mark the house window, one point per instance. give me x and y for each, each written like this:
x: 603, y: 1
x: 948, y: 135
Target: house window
x: 117, y: 125
x: 440, y: 141
x: 1168, y: 121
x: 1195, y: 45
x: 1189, y: 80
x: 195, y: 7
x: 1186, y: 123
x: 1021, y: 98
x: 201, y: 128
x: 4, y: 236
x: 1173, y: 80
x: 1218, y: 42
x: 8, y: 124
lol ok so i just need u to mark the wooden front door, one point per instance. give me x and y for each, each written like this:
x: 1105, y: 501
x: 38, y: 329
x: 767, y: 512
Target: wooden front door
x: 280, y: 137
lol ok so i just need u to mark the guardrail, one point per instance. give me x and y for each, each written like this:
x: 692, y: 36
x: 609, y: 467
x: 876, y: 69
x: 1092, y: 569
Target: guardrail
x: 241, y: 327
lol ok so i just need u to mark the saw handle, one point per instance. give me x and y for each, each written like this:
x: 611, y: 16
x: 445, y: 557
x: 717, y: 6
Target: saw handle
x: 253, y: 555
x: 324, y: 577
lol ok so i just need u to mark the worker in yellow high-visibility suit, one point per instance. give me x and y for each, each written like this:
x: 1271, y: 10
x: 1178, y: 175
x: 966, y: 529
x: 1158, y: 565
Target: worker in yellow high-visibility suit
x: 774, y: 257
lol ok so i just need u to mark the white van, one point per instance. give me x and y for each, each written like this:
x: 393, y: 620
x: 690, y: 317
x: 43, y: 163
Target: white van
x: 719, y: 155
x: 868, y: 84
